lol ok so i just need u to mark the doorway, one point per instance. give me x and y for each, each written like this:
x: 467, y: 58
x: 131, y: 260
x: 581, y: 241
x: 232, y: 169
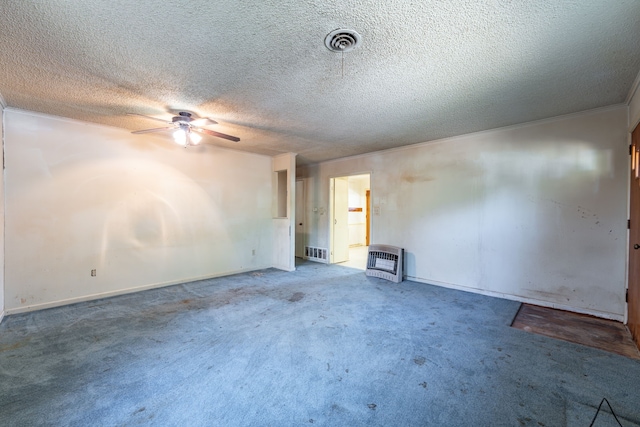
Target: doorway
x: 300, y: 219
x: 633, y: 291
x: 350, y: 220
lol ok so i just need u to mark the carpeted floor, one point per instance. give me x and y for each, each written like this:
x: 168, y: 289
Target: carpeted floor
x: 324, y: 345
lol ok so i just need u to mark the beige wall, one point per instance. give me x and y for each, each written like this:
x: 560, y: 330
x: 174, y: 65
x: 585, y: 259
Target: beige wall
x: 634, y: 108
x: 535, y: 212
x: 139, y: 209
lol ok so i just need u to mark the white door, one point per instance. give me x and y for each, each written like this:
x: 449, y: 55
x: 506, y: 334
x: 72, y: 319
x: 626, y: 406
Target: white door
x: 340, y: 236
x: 300, y: 237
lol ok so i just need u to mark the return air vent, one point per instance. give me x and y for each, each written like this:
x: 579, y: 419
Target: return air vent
x: 342, y: 40
x: 385, y: 262
x: 315, y: 254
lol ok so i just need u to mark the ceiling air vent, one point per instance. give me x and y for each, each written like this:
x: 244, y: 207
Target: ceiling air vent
x: 341, y: 40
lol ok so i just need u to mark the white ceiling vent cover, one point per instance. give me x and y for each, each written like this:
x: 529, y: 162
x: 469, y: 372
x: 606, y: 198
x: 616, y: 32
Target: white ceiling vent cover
x: 342, y: 40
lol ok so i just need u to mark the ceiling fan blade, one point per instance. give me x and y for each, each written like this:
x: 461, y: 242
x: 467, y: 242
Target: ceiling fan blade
x: 152, y: 130
x: 204, y: 121
x: 149, y: 117
x: 218, y: 134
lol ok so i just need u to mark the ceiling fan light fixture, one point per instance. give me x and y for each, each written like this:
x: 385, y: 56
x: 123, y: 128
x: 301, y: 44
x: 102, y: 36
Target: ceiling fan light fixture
x: 186, y: 130
x: 180, y: 137
x: 194, y: 138
x: 183, y: 136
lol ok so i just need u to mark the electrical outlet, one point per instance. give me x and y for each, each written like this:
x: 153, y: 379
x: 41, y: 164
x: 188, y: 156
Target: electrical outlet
x: 93, y: 272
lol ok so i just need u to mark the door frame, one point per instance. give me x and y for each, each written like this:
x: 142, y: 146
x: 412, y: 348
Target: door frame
x: 300, y: 217
x: 367, y: 231
x: 632, y: 317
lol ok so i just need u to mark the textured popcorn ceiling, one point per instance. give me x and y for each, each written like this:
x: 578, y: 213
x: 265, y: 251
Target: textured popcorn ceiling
x: 425, y: 70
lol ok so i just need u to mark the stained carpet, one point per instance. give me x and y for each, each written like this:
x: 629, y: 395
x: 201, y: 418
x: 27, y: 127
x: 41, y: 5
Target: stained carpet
x: 324, y: 345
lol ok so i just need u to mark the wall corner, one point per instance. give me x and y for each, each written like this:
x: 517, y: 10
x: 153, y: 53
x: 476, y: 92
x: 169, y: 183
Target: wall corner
x: 284, y: 226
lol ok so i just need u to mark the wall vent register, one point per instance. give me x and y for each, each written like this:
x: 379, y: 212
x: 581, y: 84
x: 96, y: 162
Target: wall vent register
x: 315, y: 254
x: 385, y: 262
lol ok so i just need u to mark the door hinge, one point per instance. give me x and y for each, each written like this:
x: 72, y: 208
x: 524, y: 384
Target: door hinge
x: 628, y: 224
x: 630, y: 149
x: 626, y: 296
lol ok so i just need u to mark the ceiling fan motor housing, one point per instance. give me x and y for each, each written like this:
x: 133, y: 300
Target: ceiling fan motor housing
x: 182, y: 117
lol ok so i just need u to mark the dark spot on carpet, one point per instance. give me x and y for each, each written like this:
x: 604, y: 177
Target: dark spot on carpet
x: 419, y: 360
x: 311, y: 420
x: 339, y: 409
x: 372, y: 406
x: 140, y: 410
x: 15, y: 346
x: 296, y: 297
x: 186, y: 301
x: 423, y: 384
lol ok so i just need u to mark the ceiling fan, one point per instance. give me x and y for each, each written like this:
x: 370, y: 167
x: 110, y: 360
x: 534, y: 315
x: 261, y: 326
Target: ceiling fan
x: 186, y: 127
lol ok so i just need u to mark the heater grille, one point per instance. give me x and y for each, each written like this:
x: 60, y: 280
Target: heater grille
x: 315, y: 254
x: 385, y: 262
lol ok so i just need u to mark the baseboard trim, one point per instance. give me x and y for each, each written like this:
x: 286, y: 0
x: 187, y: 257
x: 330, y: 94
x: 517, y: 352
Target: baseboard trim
x: 1, y: 316
x: 284, y: 268
x: 59, y: 303
x: 596, y: 313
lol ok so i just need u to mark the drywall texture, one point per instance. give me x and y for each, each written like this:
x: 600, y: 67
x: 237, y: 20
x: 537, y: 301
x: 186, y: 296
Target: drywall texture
x: 535, y: 212
x: 139, y: 210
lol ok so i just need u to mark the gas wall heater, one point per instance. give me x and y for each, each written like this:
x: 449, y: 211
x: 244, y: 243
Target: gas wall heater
x: 386, y: 262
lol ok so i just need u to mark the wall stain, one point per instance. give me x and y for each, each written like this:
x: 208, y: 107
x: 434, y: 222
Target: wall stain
x: 411, y: 178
